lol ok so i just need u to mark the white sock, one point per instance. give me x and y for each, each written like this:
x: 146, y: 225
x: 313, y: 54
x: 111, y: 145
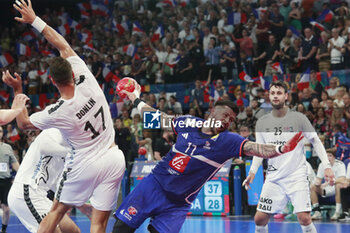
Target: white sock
x: 338, y: 207
x: 309, y: 228
x: 261, y: 229
x: 315, y: 205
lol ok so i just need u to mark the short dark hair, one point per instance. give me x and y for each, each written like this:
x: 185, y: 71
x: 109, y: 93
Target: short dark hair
x: 229, y: 104
x: 279, y: 83
x: 61, y: 71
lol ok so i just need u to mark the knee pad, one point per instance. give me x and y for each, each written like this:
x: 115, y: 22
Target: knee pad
x: 122, y: 227
x: 152, y: 229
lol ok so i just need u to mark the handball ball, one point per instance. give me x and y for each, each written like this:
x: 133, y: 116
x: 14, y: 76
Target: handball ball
x: 126, y: 84
x: 142, y: 151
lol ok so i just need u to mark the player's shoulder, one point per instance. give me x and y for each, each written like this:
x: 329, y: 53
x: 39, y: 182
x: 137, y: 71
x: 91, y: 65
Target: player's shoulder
x: 6, y: 146
x: 53, y: 108
x: 339, y: 162
x: 264, y: 118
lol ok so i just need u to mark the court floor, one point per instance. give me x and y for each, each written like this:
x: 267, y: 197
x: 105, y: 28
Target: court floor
x: 207, y: 225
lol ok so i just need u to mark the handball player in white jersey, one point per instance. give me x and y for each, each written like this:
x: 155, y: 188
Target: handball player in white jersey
x: 39, y: 172
x: 95, y: 166
x: 286, y: 177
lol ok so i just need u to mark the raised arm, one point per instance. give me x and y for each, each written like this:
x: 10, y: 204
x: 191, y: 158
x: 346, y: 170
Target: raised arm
x: 267, y: 151
x: 28, y: 16
x: 142, y: 106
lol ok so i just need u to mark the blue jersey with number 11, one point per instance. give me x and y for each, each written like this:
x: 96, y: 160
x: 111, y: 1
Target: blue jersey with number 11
x: 194, y: 159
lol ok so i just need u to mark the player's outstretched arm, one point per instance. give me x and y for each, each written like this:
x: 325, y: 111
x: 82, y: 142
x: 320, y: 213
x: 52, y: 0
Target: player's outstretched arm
x: 134, y: 97
x: 28, y: 16
x: 22, y: 118
x: 268, y: 150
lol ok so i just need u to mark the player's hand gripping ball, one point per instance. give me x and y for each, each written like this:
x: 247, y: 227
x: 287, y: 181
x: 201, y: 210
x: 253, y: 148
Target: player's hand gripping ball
x: 127, y: 84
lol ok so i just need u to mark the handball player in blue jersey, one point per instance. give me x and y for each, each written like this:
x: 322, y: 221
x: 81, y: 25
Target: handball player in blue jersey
x: 198, y: 154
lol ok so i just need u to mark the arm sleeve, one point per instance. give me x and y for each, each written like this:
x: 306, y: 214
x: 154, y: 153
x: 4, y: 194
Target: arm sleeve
x: 257, y: 161
x: 53, y: 149
x: 311, y: 135
x: 341, y: 171
x: 235, y: 145
x: 320, y: 171
x: 48, y: 118
x: 348, y: 172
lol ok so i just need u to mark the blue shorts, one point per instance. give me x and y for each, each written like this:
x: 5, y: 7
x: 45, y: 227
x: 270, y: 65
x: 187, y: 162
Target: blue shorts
x: 149, y: 200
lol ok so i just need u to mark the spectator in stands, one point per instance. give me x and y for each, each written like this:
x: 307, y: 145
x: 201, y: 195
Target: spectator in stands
x: 346, y: 49
x: 97, y: 67
x: 294, y: 16
x: 161, y: 105
x: 126, y: 119
x: 325, y: 190
x: 321, y: 122
x: 153, y: 70
x: 197, y: 93
x: 289, y: 35
x: 245, y: 132
x: 163, y: 144
x: 324, y: 98
x: 284, y: 10
x: 241, y: 116
x: 227, y: 62
x: 122, y: 137
x: 212, y: 57
x: 184, y: 68
x: 174, y: 105
x: 315, y: 85
x: 334, y: 86
x: 12, y: 137
x: 308, y: 51
x: 336, y: 44
x: 220, y: 89
x: 262, y: 32
x: 250, y: 120
x: 277, y: 22
x: 144, y: 141
x: 338, y: 100
x: 270, y: 54
x: 288, y: 55
x: 314, y: 105
x: 323, y: 55
x: 337, y: 118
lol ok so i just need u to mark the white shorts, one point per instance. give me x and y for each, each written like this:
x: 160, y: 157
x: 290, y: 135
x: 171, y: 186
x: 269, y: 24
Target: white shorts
x: 30, y: 205
x: 275, y: 196
x: 98, y: 181
x: 328, y: 191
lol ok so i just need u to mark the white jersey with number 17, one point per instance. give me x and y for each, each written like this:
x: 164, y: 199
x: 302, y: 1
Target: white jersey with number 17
x: 84, y: 120
x: 278, y: 130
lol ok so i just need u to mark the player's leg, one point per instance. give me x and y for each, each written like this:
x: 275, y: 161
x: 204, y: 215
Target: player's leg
x: 338, y: 206
x: 272, y: 200
x: 169, y: 217
x: 105, y: 195
x: 315, y: 191
x: 99, y: 220
x: 67, y: 225
x: 5, y: 216
x: 299, y: 193
x: 5, y: 189
x: 261, y: 220
x: 122, y: 227
x: 50, y: 222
